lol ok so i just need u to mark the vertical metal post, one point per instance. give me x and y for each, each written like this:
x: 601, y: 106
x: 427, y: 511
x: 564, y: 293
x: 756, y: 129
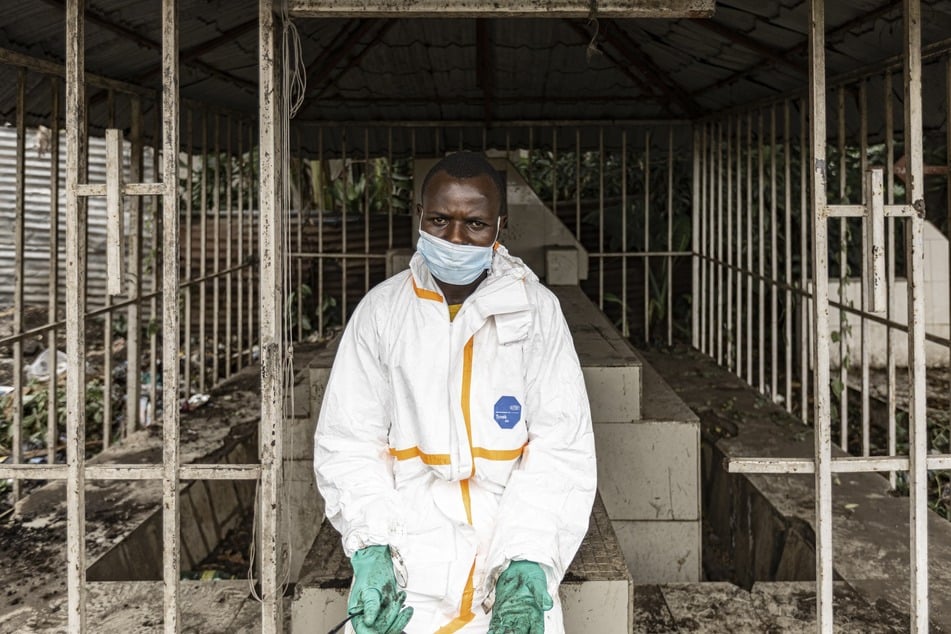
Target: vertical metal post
x: 761, y: 255
x: 52, y: 433
x: 787, y: 239
x: 320, y: 229
x: 389, y: 184
x: 239, y: 308
x: 624, y: 324
x: 823, y: 435
x: 271, y: 303
x: 18, y: 272
x: 366, y: 206
x: 805, y: 230
x: 171, y: 545
x: 704, y: 175
x: 554, y: 171
x: 156, y: 219
x: 577, y: 181
x: 344, y: 261
x: 203, y: 258
x: 749, y: 248
x: 711, y: 244
x: 917, y: 424
x: 889, y: 331
x: 695, y: 291
x: 253, y: 276
x: 115, y: 258
x: 134, y: 283
x: 647, y: 233
x: 719, y: 243
x: 601, y: 218
x: 299, y: 245
x: 189, y: 183
x: 773, y: 277
x: 670, y: 235
x: 229, y: 238
x: 75, y: 321
x: 730, y: 333
x: 739, y: 246
x: 216, y: 253
x: 843, y: 280
x: 947, y: 86
x: 866, y: 288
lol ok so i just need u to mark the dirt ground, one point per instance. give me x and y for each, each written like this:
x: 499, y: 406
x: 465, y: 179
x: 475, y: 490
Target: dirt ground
x: 33, y: 534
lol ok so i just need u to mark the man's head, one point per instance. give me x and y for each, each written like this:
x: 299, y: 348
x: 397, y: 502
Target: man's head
x: 463, y: 200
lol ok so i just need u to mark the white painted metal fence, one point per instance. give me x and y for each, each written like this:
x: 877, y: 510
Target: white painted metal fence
x: 762, y: 209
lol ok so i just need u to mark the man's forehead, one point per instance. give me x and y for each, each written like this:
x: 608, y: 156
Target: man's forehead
x: 443, y: 180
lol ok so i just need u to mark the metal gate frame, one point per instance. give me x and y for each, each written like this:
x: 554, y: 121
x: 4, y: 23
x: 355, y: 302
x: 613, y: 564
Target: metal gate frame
x: 873, y: 213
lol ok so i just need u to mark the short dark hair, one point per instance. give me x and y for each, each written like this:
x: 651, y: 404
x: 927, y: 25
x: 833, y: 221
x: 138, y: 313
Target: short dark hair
x: 468, y: 165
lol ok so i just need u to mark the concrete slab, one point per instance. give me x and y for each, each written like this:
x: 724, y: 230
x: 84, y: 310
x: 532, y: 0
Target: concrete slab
x: 649, y: 470
x: 660, y: 552
x: 612, y: 369
x: 767, y: 521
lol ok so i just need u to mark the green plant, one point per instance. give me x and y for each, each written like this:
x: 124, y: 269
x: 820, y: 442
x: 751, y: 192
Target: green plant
x: 35, y: 412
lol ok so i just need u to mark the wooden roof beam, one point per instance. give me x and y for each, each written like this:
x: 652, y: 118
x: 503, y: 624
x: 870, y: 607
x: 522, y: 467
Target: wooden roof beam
x: 146, y: 42
x: 385, y: 25
x: 321, y: 67
x: 619, y: 64
x: 635, y: 55
x: 777, y: 56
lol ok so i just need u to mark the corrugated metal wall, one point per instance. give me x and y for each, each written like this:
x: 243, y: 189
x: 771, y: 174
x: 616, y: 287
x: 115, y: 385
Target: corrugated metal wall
x: 38, y: 221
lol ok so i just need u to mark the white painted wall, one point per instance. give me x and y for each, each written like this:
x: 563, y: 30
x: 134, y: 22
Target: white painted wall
x: 937, y: 311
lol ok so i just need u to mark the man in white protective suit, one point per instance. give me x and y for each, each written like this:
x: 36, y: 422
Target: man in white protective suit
x: 454, y: 448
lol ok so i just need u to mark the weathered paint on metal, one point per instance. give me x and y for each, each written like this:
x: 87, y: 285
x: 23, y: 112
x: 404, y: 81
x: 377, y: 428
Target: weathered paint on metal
x: 171, y: 273
x: 505, y: 8
x: 19, y: 251
x: 821, y: 412
x: 52, y: 386
x: 75, y: 321
x: 874, y: 238
x: 271, y: 303
x: 115, y: 229
x: 917, y: 423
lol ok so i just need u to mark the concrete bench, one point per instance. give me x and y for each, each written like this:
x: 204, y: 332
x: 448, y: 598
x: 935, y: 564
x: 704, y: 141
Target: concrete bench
x: 596, y: 593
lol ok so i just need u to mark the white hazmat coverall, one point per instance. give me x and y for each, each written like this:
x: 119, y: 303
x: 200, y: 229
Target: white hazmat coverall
x: 463, y: 444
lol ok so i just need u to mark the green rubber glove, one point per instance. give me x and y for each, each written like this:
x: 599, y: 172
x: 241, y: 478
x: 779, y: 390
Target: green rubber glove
x: 521, y: 600
x: 374, y: 596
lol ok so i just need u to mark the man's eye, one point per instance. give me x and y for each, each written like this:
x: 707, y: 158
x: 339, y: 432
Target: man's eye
x: 477, y: 225
x: 438, y: 221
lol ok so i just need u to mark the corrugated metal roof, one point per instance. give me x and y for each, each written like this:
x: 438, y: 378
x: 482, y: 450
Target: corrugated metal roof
x: 463, y: 69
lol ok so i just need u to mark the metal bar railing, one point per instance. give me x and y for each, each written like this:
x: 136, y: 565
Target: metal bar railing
x: 75, y: 322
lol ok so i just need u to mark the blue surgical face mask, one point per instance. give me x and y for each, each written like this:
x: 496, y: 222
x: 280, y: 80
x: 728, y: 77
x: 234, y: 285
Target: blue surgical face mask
x: 458, y: 264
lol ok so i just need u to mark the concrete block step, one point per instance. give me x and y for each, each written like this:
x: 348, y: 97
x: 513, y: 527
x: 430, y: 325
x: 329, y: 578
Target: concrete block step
x: 595, y: 593
x: 769, y: 607
x: 612, y: 369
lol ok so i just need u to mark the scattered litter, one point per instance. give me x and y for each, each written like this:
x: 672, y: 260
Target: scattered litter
x: 194, y: 402
x: 5, y: 389
x: 39, y: 370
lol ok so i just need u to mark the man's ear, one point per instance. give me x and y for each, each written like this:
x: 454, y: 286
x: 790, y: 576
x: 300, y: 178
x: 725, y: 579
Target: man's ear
x: 503, y: 221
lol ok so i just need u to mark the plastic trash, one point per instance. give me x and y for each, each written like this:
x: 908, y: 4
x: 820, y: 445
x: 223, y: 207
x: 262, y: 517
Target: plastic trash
x: 194, y: 402
x: 39, y: 370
